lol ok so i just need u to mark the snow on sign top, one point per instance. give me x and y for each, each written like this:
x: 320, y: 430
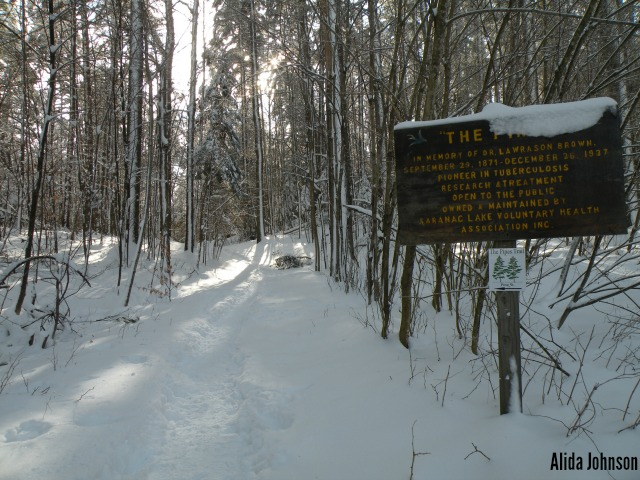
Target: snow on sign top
x: 534, y: 120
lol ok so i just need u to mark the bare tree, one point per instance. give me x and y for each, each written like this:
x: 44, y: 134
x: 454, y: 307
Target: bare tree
x: 191, y: 130
x: 48, y: 117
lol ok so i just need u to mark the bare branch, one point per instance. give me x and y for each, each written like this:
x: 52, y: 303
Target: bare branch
x: 536, y: 11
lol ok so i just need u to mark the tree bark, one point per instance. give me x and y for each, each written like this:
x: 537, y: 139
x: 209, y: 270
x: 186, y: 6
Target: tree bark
x: 257, y: 121
x: 189, y: 241
x: 165, y: 135
x: 134, y: 139
x: 42, y: 146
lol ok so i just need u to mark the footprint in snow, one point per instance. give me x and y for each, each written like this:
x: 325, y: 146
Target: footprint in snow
x: 27, y: 430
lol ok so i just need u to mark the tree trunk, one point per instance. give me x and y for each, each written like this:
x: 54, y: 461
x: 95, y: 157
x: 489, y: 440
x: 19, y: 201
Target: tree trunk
x: 87, y: 155
x: 309, y: 116
x: 378, y: 148
x: 165, y: 144
x: 406, y: 283
x: 42, y: 146
x: 134, y: 139
x: 257, y: 122
x: 191, y: 127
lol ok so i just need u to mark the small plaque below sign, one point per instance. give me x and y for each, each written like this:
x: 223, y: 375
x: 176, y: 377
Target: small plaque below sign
x: 507, y: 269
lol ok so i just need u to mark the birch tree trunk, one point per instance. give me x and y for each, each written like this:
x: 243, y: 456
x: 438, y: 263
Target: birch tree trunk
x: 334, y: 120
x: 24, y: 115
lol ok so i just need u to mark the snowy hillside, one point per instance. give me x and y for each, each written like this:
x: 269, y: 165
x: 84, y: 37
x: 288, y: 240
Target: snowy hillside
x: 253, y: 372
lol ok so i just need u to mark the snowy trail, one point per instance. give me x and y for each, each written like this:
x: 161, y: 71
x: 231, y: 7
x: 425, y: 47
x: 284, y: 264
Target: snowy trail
x: 226, y: 393
x: 200, y: 397
x: 236, y: 400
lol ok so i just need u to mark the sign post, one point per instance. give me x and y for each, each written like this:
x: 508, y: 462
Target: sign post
x: 508, y: 317
x: 508, y: 174
x: 507, y: 276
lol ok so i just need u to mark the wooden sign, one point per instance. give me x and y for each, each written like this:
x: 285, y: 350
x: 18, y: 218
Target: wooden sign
x: 512, y: 173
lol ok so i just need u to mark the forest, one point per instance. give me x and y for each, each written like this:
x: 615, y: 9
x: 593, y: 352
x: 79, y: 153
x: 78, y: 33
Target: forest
x: 284, y: 123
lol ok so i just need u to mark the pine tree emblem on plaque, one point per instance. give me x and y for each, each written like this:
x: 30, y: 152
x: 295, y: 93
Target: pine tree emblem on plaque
x: 507, y: 269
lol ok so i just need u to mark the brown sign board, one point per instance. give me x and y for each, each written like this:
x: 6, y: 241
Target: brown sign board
x: 507, y: 175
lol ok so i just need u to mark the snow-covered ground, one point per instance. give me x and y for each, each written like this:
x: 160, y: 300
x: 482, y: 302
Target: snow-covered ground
x: 251, y: 372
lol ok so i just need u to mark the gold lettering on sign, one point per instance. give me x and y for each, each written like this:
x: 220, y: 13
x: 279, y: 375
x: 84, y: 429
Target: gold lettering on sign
x: 494, y: 227
x: 463, y: 136
x: 520, y: 184
x: 572, y: 212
